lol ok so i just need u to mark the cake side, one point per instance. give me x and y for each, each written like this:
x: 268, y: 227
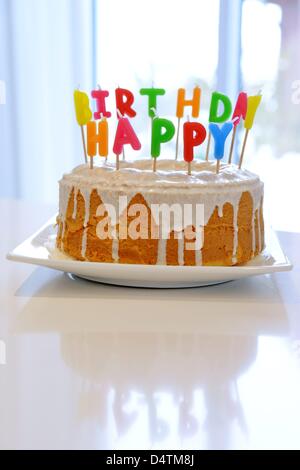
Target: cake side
x: 232, y: 217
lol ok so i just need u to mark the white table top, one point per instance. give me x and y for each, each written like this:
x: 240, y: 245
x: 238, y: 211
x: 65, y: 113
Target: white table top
x: 103, y: 367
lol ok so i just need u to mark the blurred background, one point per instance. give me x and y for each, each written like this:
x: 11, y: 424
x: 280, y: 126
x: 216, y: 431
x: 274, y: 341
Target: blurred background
x: 49, y: 47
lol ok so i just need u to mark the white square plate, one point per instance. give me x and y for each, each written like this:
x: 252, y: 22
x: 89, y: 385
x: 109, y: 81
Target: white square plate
x: 39, y: 249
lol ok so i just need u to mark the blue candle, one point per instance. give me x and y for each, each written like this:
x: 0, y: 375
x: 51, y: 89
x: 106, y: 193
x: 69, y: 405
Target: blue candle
x: 220, y: 135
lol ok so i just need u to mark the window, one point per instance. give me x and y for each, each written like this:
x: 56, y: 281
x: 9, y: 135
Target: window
x: 160, y: 43
x: 269, y: 61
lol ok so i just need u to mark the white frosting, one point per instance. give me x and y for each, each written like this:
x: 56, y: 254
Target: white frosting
x: 162, y: 251
x: 170, y: 174
x: 83, y: 243
x: 75, y: 203
x: 170, y: 184
x: 115, y: 250
x: 259, y: 232
x: 181, y: 251
x: 253, y: 232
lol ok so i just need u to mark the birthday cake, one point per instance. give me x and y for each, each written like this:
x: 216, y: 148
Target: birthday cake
x: 231, y: 223
x: 155, y: 210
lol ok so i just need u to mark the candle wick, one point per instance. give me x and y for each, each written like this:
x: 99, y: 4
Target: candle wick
x: 99, y: 87
x: 119, y: 113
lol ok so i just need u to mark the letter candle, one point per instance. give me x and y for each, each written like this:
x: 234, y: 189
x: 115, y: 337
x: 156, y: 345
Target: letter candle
x: 239, y: 112
x: 252, y: 105
x: 216, y: 98
x: 194, y: 134
x: 104, y: 119
x: 124, y: 135
x: 100, y: 95
x: 119, y: 115
x: 163, y: 131
x: 220, y: 135
x: 182, y: 102
x: 95, y: 139
x: 124, y: 102
x: 152, y: 94
x: 83, y: 114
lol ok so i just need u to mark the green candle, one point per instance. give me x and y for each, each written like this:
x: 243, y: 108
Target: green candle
x: 163, y: 131
x: 152, y: 94
x: 216, y: 99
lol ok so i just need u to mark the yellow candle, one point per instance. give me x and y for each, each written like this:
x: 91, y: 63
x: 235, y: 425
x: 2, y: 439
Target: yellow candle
x: 82, y: 107
x: 253, y: 103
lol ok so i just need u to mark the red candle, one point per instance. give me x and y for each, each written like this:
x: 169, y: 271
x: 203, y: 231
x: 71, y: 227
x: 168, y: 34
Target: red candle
x: 240, y: 109
x: 194, y: 135
x: 124, y: 102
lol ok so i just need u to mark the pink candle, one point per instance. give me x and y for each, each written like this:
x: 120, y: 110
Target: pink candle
x: 125, y: 134
x: 99, y: 96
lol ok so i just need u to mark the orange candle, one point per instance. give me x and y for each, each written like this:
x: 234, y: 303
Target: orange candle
x: 97, y: 141
x: 182, y: 102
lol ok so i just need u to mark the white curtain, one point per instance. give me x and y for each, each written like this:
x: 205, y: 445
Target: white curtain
x: 46, y: 50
